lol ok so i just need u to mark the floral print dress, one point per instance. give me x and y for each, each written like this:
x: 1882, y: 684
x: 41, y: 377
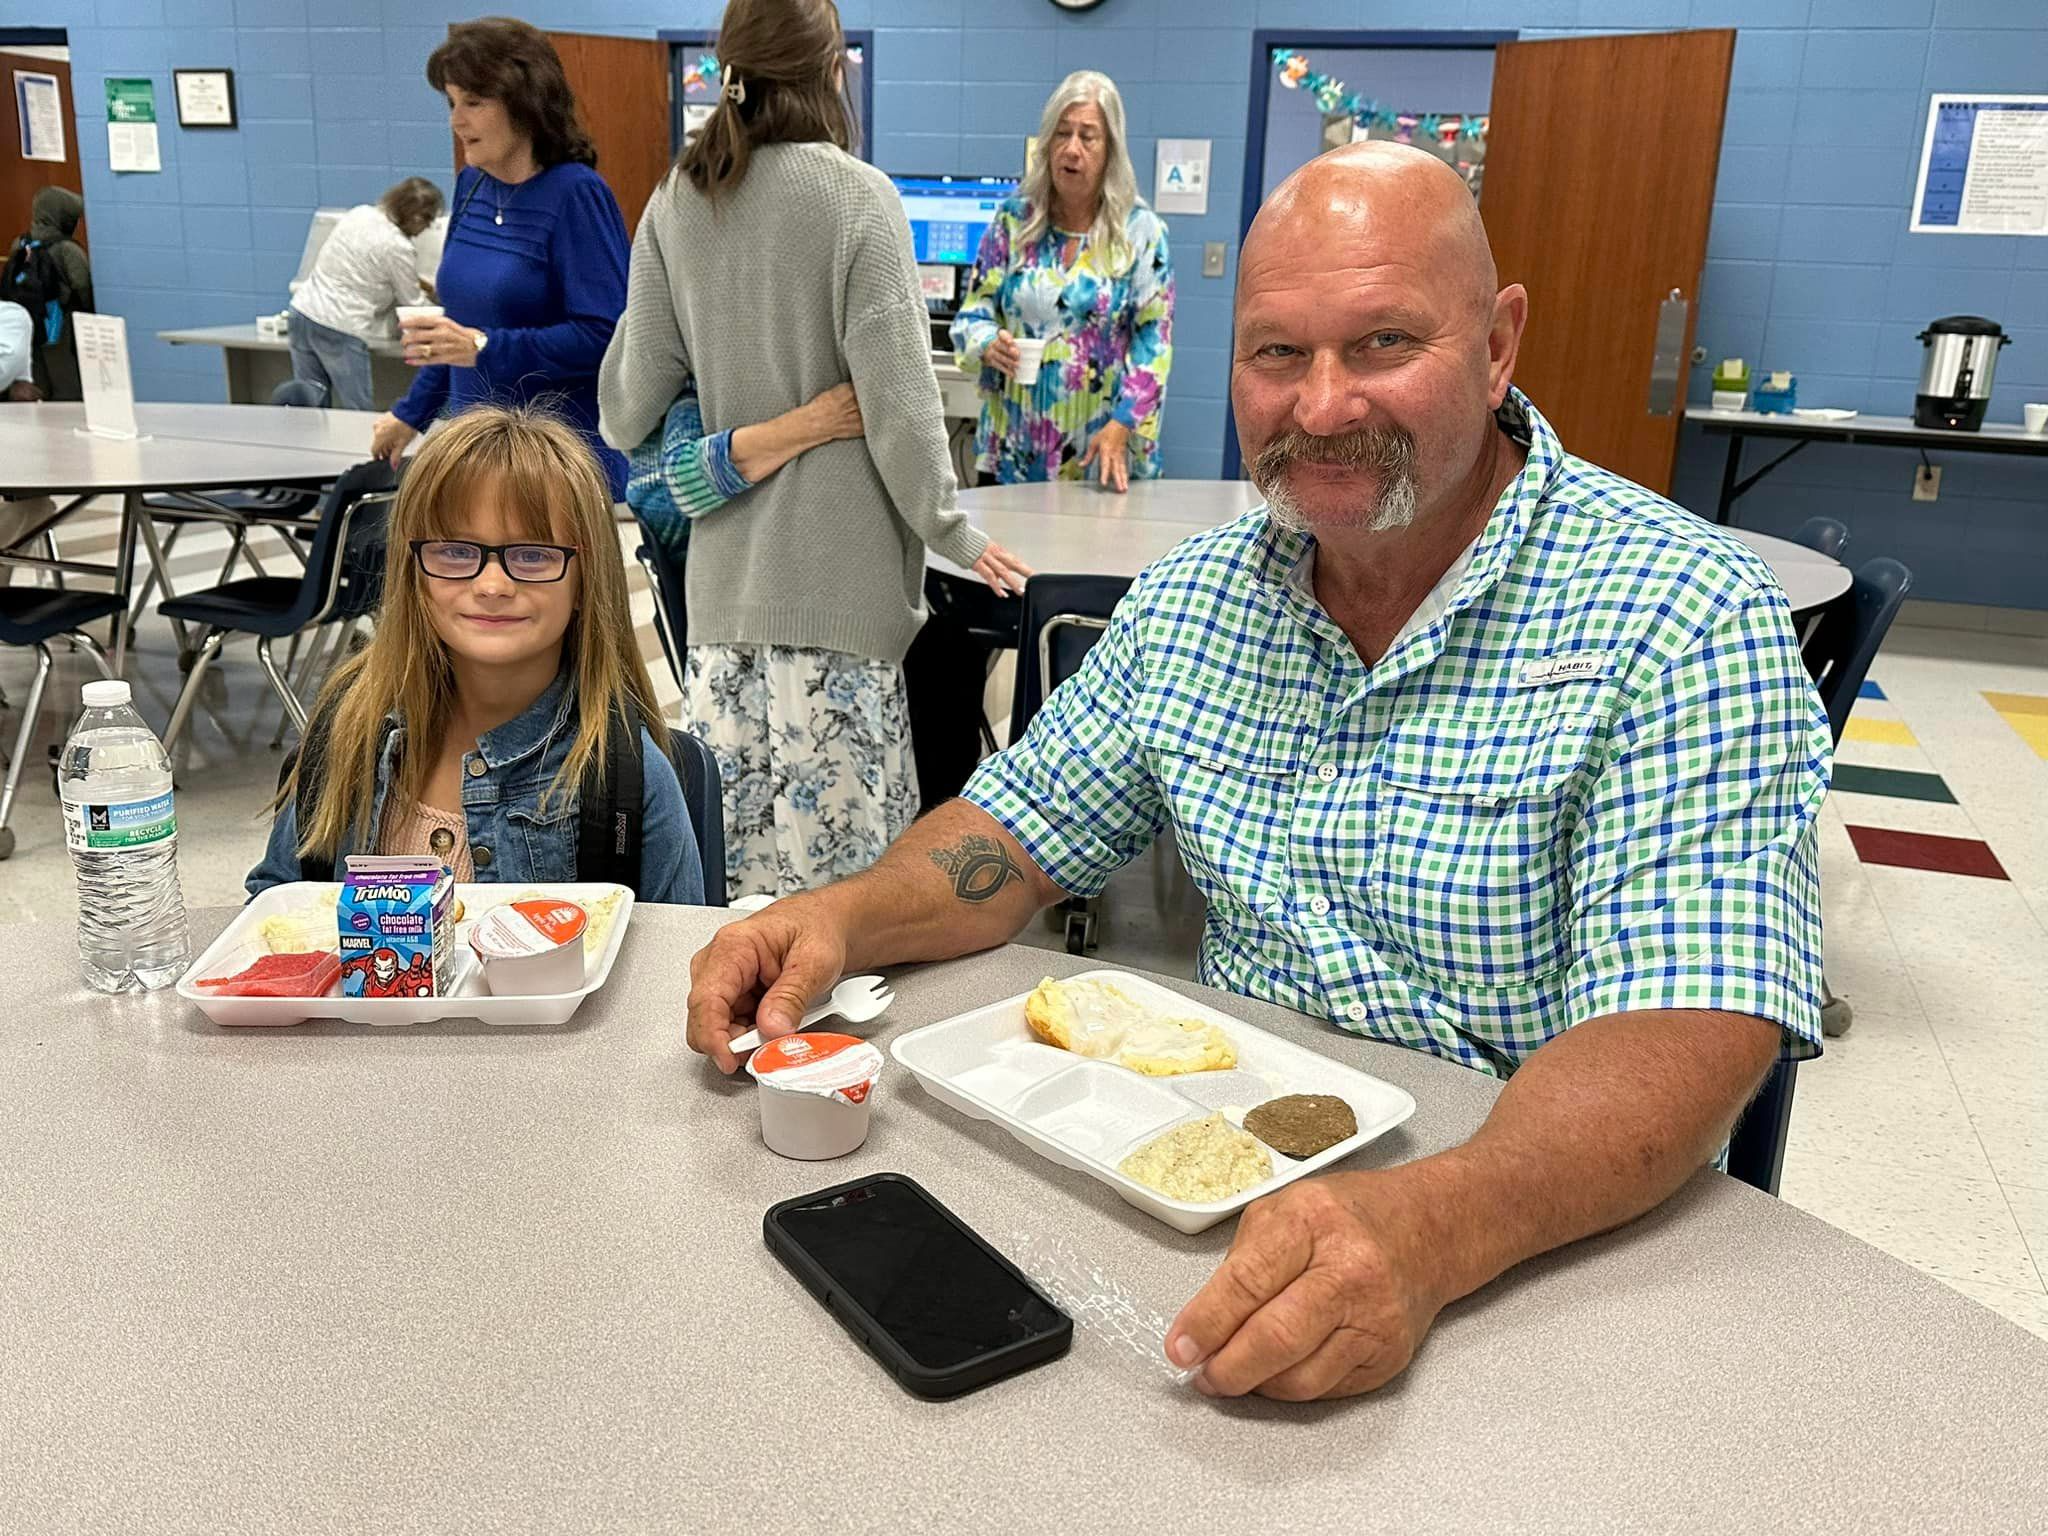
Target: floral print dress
x: 1107, y: 320
x: 813, y: 746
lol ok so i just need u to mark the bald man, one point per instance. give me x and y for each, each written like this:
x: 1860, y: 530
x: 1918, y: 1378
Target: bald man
x: 1472, y: 746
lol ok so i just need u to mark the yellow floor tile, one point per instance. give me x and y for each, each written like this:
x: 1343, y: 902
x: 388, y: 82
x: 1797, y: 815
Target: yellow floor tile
x: 1890, y: 733
x: 2017, y: 703
x: 2033, y: 729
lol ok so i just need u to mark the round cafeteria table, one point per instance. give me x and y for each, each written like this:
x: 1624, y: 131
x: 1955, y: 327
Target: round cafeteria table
x: 1077, y: 528
x: 44, y: 451
x: 333, y: 1278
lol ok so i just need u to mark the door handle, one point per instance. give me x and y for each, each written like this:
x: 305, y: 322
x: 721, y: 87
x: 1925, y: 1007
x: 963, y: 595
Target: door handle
x: 1667, y: 362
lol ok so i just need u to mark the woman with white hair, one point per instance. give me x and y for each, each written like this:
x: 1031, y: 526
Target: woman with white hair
x: 1079, y: 262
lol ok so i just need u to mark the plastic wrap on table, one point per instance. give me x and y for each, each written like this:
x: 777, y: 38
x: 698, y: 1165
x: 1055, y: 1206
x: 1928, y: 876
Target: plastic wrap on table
x: 1097, y: 1301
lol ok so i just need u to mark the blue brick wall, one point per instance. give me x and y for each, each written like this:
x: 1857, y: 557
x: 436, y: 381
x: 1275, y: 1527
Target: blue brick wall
x: 1809, y: 266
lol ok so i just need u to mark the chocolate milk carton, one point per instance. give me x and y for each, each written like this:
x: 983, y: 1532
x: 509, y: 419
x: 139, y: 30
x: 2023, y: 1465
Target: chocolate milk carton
x: 397, y: 922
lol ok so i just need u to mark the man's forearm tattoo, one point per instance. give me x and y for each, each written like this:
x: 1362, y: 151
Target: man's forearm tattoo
x: 980, y: 867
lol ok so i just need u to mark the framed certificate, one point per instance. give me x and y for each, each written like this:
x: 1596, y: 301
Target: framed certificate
x: 206, y: 98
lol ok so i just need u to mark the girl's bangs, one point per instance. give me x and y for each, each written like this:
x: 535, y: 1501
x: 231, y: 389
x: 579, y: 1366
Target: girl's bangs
x: 525, y: 485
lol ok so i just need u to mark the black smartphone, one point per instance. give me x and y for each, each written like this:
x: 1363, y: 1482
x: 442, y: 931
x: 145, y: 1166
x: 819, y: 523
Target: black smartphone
x: 930, y: 1299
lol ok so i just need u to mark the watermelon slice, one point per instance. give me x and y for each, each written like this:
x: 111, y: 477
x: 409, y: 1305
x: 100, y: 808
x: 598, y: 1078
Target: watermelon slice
x: 292, y: 975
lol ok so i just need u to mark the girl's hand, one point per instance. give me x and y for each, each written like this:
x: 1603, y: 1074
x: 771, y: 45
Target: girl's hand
x: 1002, y: 354
x: 437, y: 339
x: 1109, y: 451
x: 833, y: 415
x: 1003, y: 571
x: 389, y: 439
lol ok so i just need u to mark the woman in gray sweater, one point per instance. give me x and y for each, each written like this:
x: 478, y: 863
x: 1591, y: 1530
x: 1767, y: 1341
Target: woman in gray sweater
x: 770, y: 266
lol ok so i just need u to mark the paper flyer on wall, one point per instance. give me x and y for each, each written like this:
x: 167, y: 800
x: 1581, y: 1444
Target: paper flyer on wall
x: 131, y: 126
x: 1983, y: 167
x: 39, y: 109
x: 103, y: 371
x: 1180, y: 178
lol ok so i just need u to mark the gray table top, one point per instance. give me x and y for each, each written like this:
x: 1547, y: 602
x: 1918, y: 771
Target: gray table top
x: 1992, y: 437
x: 247, y: 338
x: 1077, y: 528
x: 43, y: 449
x: 337, y: 1278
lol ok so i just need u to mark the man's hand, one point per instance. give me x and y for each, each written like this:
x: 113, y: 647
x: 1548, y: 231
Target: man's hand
x: 1326, y: 1291
x: 390, y: 437
x: 1110, y: 452
x: 762, y: 974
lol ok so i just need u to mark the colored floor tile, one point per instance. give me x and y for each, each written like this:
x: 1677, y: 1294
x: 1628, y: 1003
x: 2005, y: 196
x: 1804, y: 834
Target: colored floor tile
x: 1869, y: 690
x: 1924, y: 850
x: 1889, y: 733
x: 1894, y: 783
x: 2033, y: 730
x: 2017, y: 703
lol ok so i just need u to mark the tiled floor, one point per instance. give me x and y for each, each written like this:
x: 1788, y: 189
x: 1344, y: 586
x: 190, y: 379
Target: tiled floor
x: 1923, y: 1131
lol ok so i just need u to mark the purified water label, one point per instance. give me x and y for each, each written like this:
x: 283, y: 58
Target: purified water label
x: 130, y: 824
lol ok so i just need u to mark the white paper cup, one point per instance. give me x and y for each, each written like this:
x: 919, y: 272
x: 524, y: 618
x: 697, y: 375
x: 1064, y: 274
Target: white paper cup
x: 2037, y: 417
x: 1030, y: 357
x: 419, y: 312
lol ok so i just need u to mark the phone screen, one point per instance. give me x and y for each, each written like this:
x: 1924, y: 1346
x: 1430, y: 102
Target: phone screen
x: 940, y: 1295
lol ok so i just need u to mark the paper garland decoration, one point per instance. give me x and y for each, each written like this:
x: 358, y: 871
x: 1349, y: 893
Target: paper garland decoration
x: 702, y: 75
x: 1331, y: 96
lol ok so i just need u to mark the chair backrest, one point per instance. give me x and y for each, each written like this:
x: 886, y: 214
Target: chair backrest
x: 1063, y: 618
x: 1756, y: 1152
x: 1839, y: 651
x: 301, y: 392
x: 1828, y: 535
x: 704, y: 797
x: 345, y: 562
x: 669, y: 617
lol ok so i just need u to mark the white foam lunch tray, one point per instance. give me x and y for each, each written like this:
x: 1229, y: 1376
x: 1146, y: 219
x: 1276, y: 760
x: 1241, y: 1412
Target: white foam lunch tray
x: 239, y: 945
x: 1090, y: 1115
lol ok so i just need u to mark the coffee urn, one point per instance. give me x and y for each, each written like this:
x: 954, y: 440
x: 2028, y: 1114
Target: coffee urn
x: 1956, y: 367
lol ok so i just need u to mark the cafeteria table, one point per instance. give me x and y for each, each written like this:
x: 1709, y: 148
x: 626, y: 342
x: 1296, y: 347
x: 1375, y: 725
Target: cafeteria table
x: 1854, y: 429
x: 335, y: 1278
x: 45, y: 451
x: 1076, y: 528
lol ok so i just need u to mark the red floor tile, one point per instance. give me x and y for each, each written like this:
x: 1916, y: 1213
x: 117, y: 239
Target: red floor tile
x: 1923, y: 850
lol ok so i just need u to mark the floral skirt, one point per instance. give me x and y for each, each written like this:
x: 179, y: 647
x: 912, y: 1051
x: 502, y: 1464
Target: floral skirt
x: 814, y: 749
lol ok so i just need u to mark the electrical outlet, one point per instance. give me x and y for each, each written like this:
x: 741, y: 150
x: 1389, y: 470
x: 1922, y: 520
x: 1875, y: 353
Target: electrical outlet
x: 1213, y: 258
x: 1927, y: 483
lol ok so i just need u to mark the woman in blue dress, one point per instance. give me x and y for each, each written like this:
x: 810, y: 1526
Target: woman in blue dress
x: 533, y: 274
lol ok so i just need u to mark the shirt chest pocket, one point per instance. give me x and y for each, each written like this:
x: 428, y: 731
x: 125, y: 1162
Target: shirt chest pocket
x: 1230, y: 777
x: 545, y: 837
x: 1472, y: 825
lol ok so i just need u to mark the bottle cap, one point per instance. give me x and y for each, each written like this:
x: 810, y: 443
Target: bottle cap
x: 105, y: 694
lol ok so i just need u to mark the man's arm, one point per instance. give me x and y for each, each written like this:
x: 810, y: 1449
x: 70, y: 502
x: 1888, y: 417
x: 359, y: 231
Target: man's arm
x: 954, y: 883
x: 1332, y: 1283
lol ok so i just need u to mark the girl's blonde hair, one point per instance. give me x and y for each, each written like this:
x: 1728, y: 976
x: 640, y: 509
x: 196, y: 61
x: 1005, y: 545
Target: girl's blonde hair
x: 549, y: 485
x: 1108, y: 234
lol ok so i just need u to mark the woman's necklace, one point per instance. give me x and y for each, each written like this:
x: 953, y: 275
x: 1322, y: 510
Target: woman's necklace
x: 511, y: 193
x: 478, y: 186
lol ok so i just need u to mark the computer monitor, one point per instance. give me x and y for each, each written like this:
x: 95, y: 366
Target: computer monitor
x: 949, y: 214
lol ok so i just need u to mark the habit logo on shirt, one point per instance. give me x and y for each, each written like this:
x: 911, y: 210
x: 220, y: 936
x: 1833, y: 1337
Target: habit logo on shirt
x: 1563, y: 669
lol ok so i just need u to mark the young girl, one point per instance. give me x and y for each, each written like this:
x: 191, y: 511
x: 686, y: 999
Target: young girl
x: 503, y: 677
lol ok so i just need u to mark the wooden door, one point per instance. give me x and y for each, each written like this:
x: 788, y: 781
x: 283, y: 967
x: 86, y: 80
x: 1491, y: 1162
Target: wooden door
x: 621, y: 86
x: 1600, y: 166
x: 21, y: 180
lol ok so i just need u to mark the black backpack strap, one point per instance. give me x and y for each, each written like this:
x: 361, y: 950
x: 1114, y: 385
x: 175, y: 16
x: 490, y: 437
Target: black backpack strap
x: 608, y: 812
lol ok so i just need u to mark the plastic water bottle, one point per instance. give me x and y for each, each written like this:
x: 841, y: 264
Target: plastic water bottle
x: 123, y: 835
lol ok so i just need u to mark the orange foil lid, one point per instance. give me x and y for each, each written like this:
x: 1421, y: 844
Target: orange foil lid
x: 529, y: 927
x: 834, y: 1065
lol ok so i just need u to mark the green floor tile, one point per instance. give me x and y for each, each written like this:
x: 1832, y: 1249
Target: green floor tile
x: 1896, y: 783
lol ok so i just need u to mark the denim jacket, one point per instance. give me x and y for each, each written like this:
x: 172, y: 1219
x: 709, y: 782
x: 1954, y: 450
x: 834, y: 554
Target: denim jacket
x: 511, y: 839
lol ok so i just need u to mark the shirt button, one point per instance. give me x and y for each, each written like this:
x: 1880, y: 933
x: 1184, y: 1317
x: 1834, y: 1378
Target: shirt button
x: 478, y: 768
x: 481, y: 858
x: 1327, y: 773
x: 1319, y: 905
x: 1355, y: 1013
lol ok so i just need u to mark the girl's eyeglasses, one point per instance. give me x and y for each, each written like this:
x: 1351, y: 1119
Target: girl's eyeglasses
x: 460, y: 560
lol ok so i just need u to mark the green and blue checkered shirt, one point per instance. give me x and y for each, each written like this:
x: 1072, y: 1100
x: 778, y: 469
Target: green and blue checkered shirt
x: 1586, y: 784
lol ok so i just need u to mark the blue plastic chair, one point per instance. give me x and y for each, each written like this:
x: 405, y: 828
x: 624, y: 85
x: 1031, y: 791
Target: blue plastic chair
x: 36, y: 616
x: 1838, y: 655
x: 703, y: 796
x: 1826, y: 534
